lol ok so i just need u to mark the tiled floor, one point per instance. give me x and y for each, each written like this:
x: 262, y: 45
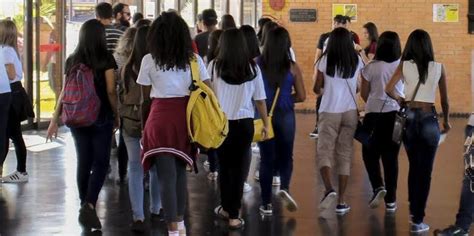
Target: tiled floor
x: 48, y: 204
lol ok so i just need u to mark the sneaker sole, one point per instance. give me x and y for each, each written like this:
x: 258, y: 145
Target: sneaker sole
x: 266, y: 213
x: 378, y: 198
x: 342, y: 212
x: 289, y: 201
x: 328, y: 201
x: 420, y: 231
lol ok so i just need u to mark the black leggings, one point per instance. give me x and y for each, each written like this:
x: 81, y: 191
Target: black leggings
x: 172, y: 178
x: 5, y: 102
x: 14, y: 133
x: 233, y: 157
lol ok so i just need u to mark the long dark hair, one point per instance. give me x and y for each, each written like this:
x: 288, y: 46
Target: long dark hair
x: 213, y: 45
x: 342, y: 59
x: 233, y: 63
x: 275, y: 61
x: 140, y: 49
x: 373, y: 32
x: 266, y: 28
x: 169, y: 42
x: 419, y: 49
x: 227, y: 22
x: 261, y: 22
x: 91, y: 49
x: 251, y: 39
x: 388, y: 47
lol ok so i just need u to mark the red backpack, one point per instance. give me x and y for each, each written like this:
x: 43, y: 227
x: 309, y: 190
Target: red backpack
x: 80, y: 102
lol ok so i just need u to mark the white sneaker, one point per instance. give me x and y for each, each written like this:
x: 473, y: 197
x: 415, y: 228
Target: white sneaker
x: 255, y: 149
x: 257, y: 175
x: 16, y: 177
x: 247, y: 187
x: 290, y: 203
x: 419, y: 228
x: 213, y: 176
x: 206, y: 166
x: 276, y: 181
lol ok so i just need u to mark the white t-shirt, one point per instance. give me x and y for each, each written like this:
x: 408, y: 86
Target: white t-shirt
x: 168, y: 83
x: 427, y: 90
x: 4, y: 81
x: 236, y: 100
x: 338, y: 92
x: 11, y: 57
x: 378, y: 73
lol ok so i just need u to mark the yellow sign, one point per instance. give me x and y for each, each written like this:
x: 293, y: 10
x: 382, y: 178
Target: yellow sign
x: 345, y: 10
x: 445, y: 12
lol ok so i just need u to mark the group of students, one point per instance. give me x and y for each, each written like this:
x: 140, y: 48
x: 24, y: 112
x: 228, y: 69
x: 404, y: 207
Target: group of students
x: 142, y: 77
x: 389, y: 80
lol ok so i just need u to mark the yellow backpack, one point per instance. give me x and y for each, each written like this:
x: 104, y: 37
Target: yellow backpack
x: 207, y: 123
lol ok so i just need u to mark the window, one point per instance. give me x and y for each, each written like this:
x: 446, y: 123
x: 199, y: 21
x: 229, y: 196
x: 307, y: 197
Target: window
x: 187, y: 12
x: 249, y: 12
x: 167, y: 5
x: 234, y: 10
x: 203, y: 5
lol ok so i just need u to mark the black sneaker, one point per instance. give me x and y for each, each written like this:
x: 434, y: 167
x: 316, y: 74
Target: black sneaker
x: 378, y: 196
x: 158, y: 217
x: 342, y: 209
x: 266, y: 210
x: 314, y: 134
x: 451, y: 231
x: 88, y: 217
x: 390, y: 207
x: 138, y: 226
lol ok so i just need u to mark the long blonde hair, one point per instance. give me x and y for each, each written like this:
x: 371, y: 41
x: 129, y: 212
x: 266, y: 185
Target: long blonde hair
x: 125, y: 43
x: 9, y: 34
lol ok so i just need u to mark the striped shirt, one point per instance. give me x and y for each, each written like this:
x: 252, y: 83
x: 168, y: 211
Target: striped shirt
x: 236, y: 100
x: 112, y: 36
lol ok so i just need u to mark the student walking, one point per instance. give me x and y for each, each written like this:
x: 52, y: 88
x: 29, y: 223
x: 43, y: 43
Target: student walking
x: 130, y: 97
x: 20, y: 108
x: 5, y: 102
x: 380, y: 113
x: 280, y: 74
x: 237, y: 81
x: 165, y: 74
x: 338, y: 70
x: 422, y: 76
x: 92, y: 142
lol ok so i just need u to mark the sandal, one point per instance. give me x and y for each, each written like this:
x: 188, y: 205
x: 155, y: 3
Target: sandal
x: 238, y: 226
x: 219, y: 211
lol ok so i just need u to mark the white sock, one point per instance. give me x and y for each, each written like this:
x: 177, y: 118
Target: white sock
x: 173, y: 233
x: 181, y: 225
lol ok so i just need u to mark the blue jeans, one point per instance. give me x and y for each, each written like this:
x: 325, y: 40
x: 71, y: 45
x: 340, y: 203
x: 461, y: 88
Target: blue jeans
x: 93, y: 155
x: 421, y: 142
x: 278, y: 149
x: 135, y: 181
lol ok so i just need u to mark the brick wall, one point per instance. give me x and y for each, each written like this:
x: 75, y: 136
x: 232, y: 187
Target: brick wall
x: 451, y: 42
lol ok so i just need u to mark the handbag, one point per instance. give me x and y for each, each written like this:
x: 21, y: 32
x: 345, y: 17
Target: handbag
x: 363, y: 134
x: 400, y: 120
x: 258, y: 123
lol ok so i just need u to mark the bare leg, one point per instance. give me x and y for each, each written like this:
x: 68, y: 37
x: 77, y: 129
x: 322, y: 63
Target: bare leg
x: 343, y: 179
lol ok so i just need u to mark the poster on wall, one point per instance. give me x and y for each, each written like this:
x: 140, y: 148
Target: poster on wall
x: 345, y: 10
x: 445, y: 12
x: 150, y: 10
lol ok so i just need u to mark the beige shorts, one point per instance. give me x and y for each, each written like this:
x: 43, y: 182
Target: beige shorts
x: 336, y: 140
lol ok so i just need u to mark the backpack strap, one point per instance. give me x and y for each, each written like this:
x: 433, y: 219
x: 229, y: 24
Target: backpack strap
x: 195, y: 77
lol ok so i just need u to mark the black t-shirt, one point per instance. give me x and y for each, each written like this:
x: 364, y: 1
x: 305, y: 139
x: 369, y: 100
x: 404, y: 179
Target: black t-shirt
x: 322, y: 39
x: 202, y: 43
x: 100, y: 86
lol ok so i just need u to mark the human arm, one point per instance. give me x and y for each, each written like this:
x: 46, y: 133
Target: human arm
x: 364, y: 89
x: 319, y: 82
x: 54, y: 123
x: 390, y: 87
x: 146, y: 103
x: 112, y: 94
x: 11, y: 72
x: 300, y: 94
x: 262, y: 111
x: 443, y: 91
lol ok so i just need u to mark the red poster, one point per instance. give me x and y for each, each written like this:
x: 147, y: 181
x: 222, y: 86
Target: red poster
x: 277, y: 5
